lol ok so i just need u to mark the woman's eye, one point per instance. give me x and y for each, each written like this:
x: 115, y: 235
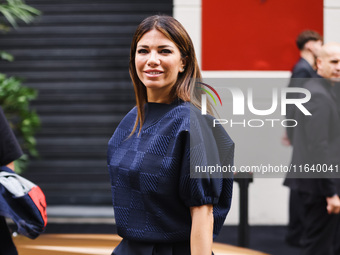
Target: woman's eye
x: 142, y: 51
x: 165, y: 51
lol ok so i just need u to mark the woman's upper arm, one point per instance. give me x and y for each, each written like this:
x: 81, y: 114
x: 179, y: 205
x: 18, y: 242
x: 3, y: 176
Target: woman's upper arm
x: 202, y: 211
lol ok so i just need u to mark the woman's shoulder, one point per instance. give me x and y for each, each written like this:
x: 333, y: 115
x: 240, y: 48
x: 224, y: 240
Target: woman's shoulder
x: 178, y: 116
x: 180, y: 110
x: 129, y: 118
x: 127, y: 123
x: 187, y: 110
x: 189, y: 115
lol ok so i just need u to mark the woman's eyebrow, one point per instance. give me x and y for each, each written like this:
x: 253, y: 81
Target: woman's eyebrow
x: 161, y: 46
x: 165, y: 46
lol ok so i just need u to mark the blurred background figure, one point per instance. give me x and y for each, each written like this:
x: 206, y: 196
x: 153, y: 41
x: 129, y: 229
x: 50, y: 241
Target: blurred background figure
x: 9, y: 151
x: 316, y: 142
x: 309, y: 43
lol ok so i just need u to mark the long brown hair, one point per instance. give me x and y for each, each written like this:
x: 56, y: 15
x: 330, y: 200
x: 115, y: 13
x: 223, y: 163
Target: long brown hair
x: 184, y: 86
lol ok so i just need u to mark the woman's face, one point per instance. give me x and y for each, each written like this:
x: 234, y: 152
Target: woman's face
x: 158, y: 62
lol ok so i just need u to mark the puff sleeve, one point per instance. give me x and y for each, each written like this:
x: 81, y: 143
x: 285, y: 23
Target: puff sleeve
x: 205, y: 178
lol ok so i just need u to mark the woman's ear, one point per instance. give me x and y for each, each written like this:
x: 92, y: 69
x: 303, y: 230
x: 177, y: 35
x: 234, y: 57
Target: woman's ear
x: 183, y: 64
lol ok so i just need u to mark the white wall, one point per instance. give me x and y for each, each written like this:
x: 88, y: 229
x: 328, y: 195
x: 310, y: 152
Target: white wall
x: 331, y: 20
x: 268, y: 198
x: 188, y: 12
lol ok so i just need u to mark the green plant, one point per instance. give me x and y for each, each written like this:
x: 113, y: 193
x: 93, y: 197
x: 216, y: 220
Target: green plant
x: 14, y: 97
x: 15, y: 10
x: 4, y: 55
x: 14, y: 100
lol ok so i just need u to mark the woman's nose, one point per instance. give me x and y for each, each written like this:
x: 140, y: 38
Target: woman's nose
x: 153, y: 59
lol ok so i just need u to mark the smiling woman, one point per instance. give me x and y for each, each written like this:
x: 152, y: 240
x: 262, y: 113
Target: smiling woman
x: 159, y: 208
x: 165, y: 31
x: 158, y: 63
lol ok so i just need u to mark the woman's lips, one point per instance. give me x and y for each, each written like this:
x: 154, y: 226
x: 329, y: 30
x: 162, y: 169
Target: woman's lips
x: 153, y: 73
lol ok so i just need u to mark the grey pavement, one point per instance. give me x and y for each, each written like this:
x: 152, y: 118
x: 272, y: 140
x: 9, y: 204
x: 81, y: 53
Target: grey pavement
x: 80, y: 214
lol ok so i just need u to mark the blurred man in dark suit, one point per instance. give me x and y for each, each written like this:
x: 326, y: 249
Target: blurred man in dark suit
x: 309, y: 43
x: 316, y: 145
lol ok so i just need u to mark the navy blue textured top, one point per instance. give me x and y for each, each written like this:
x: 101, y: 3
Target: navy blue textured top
x: 150, y: 174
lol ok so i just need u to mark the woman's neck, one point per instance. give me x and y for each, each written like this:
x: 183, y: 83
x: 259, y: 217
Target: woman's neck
x: 159, y: 96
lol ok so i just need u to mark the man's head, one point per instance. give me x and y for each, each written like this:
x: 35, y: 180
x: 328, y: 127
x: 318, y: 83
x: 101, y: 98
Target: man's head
x: 328, y: 61
x: 310, y: 41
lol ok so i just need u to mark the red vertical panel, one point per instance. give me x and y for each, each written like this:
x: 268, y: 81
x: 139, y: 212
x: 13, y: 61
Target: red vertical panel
x: 255, y: 34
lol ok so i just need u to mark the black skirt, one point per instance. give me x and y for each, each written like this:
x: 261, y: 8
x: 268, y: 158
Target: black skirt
x: 127, y: 247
